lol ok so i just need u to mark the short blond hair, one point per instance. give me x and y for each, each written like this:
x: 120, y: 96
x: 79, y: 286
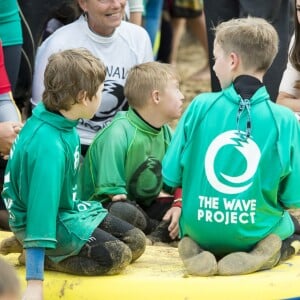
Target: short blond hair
x: 144, y: 78
x: 68, y: 73
x: 253, y: 39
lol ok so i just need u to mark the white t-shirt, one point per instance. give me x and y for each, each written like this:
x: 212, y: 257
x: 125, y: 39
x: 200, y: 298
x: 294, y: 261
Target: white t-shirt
x: 289, y: 78
x: 128, y: 46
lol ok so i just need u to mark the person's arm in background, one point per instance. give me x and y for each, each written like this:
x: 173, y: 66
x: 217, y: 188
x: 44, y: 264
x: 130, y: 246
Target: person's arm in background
x: 289, y: 100
x: 10, y: 117
x: 136, y: 9
x: 8, y: 133
x: 289, y: 89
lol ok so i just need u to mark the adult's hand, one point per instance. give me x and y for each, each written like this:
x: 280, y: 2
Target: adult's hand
x: 8, y: 133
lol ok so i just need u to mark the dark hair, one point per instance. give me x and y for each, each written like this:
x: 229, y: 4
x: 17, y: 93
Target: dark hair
x: 294, y: 54
x: 64, y: 14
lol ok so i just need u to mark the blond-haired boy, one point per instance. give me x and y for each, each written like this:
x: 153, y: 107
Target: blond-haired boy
x: 122, y: 168
x: 234, y: 155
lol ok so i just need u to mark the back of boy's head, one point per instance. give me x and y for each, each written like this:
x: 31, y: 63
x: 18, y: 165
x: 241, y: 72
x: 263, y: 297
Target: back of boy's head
x: 253, y: 39
x: 144, y: 78
x: 68, y: 74
x: 9, y: 282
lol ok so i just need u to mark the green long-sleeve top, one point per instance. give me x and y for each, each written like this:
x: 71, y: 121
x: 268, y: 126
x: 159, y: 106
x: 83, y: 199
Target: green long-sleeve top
x: 40, y: 189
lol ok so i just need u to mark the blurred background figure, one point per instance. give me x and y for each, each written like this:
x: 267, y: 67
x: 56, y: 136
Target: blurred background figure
x: 12, y: 39
x: 178, y: 17
x: 289, y: 89
x: 152, y: 22
x: 10, y: 125
x: 277, y: 12
x: 10, y: 288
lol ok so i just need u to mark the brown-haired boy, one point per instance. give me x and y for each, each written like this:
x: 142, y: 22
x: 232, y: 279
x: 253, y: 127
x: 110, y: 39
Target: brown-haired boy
x: 40, y: 189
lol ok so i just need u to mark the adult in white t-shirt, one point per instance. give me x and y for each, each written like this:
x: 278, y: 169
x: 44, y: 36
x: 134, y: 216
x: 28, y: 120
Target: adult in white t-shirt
x: 119, y: 44
x: 289, y: 89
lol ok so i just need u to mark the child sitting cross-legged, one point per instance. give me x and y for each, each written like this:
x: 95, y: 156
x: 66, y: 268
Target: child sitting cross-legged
x: 122, y: 168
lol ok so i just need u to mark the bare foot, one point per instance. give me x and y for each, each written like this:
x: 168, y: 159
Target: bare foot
x: 10, y: 245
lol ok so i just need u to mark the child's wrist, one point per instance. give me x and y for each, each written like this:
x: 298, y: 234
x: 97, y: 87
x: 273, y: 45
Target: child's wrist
x: 177, y: 203
x: 35, y: 264
x: 178, y: 193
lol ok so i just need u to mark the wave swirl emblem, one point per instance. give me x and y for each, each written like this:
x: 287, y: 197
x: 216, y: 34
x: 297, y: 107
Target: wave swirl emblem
x: 248, y: 149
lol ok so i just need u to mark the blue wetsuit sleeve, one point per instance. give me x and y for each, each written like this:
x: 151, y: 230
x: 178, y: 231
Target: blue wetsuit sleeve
x: 35, y: 263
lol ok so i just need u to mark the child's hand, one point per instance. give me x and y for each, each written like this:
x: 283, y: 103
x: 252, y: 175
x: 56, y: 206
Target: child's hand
x: 173, y: 215
x: 34, y: 290
x: 119, y: 197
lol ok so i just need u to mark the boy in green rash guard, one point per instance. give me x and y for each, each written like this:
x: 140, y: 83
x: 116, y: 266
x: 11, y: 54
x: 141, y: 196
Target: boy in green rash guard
x: 40, y: 191
x: 235, y: 155
x: 122, y: 168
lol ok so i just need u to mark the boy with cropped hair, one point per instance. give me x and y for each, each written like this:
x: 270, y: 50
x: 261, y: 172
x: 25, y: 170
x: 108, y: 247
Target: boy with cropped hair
x: 234, y: 155
x: 122, y: 168
x: 56, y: 229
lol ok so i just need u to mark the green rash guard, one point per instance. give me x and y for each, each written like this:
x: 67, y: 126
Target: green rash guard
x: 40, y: 187
x: 235, y: 189
x: 10, y: 24
x: 125, y: 158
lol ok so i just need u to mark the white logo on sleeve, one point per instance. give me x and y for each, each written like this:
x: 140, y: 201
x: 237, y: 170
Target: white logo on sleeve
x: 76, y: 158
x: 248, y: 148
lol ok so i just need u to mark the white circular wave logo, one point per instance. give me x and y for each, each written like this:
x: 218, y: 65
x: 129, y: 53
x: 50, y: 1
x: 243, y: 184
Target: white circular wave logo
x: 248, y: 148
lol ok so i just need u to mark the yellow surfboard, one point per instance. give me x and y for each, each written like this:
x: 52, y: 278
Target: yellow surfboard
x: 159, y: 274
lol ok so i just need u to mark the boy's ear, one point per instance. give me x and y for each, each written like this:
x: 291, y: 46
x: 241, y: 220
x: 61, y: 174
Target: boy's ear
x: 82, y: 97
x: 155, y: 96
x: 235, y: 60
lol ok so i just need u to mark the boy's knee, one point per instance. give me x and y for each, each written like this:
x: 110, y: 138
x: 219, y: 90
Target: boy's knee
x: 135, y: 239
x: 129, y: 213
x: 112, y: 258
x: 120, y: 256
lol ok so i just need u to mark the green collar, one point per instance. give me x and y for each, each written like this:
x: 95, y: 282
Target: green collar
x: 53, y: 119
x: 137, y: 121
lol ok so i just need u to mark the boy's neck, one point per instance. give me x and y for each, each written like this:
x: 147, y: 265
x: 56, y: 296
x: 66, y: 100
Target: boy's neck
x: 247, y: 85
x: 241, y: 72
x: 69, y: 114
x: 151, y: 118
